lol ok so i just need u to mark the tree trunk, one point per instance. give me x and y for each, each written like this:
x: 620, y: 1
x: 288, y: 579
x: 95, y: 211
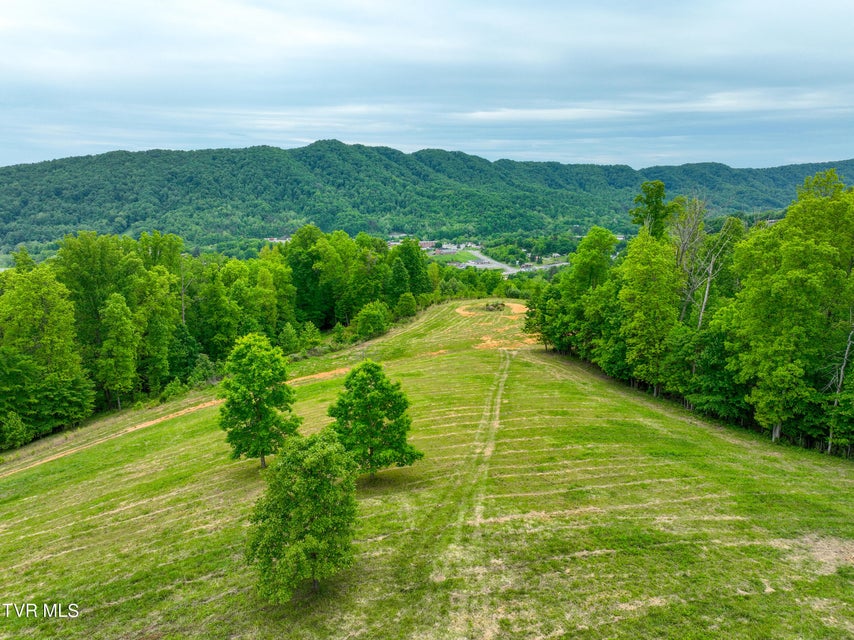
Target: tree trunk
x: 705, y: 295
x: 263, y: 462
x: 840, y: 382
x: 775, y: 433
x: 119, y: 400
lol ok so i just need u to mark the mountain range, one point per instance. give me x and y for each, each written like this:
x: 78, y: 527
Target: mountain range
x: 211, y: 197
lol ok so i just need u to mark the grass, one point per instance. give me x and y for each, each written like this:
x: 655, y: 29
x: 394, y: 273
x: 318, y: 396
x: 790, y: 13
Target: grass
x: 459, y: 256
x: 550, y: 503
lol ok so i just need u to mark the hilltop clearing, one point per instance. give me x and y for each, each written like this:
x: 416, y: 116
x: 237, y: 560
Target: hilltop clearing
x: 551, y: 502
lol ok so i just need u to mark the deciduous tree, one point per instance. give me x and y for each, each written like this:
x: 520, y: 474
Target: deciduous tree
x: 257, y: 411
x: 303, y: 525
x: 371, y: 419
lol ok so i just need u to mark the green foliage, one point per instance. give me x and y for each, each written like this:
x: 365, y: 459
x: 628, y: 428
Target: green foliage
x: 649, y: 297
x: 227, y: 199
x: 652, y: 212
x: 13, y: 432
x: 204, y: 372
x: 309, y: 336
x: 339, y: 334
x: 172, y: 390
x: 373, y: 320
x: 371, y: 419
x: 414, y: 264
x: 117, y: 358
x: 398, y: 282
x: 406, y: 306
x: 754, y: 326
x: 289, y: 339
x: 41, y: 374
x: 303, y: 526
x: 793, y: 311
x: 22, y: 260
x: 256, y: 414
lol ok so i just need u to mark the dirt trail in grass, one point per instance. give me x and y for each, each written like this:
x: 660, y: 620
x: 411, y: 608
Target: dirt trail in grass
x: 126, y: 430
x: 150, y: 423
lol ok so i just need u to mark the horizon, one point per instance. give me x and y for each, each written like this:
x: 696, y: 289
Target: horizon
x: 354, y: 144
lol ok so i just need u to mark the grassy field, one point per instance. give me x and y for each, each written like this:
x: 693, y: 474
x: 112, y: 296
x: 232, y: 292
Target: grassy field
x: 551, y: 503
x: 459, y: 256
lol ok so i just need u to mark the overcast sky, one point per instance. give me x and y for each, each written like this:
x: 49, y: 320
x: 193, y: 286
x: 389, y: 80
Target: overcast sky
x: 746, y: 82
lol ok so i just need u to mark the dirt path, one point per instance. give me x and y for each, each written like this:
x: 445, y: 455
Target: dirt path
x: 112, y: 436
x: 150, y: 423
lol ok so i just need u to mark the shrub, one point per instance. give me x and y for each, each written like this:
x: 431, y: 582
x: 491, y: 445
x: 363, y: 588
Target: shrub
x: 373, y: 320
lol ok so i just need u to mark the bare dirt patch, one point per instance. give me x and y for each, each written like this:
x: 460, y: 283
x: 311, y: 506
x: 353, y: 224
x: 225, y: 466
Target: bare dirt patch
x: 466, y: 313
x: 830, y: 553
x: 645, y: 603
x: 323, y: 375
x: 490, y: 342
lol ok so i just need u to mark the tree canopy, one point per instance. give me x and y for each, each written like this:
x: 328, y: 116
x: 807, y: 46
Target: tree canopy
x: 302, y: 528
x: 256, y: 414
x: 371, y: 419
x: 750, y: 325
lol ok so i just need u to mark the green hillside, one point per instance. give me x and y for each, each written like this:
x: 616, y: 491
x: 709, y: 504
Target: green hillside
x: 218, y: 196
x: 551, y: 502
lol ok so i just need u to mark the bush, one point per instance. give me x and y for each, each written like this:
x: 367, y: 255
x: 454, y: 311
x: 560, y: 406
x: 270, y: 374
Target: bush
x: 406, y: 306
x: 289, y: 339
x: 373, y: 320
x: 172, y: 390
x: 13, y: 432
x: 310, y: 336
x: 204, y: 372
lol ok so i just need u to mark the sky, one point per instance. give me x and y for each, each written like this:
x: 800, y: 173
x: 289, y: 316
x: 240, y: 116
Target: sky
x: 748, y: 83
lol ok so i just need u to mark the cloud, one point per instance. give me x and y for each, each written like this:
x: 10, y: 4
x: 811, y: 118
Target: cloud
x: 569, y: 80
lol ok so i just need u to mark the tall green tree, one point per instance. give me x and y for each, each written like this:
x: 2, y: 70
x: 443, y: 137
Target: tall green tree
x: 649, y: 297
x: 791, y: 318
x: 256, y: 415
x: 652, y: 212
x: 398, y: 282
x: 371, y: 419
x: 415, y: 261
x: 157, y: 316
x: 116, y: 366
x: 302, y: 528
x: 42, y: 379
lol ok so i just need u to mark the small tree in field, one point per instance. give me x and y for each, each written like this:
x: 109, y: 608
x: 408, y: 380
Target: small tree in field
x: 257, y: 411
x: 303, y: 526
x: 371, y: 419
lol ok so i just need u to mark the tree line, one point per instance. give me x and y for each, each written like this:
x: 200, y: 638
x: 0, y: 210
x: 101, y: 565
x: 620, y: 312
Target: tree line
x: 751, y: 326
x: 111, y: 319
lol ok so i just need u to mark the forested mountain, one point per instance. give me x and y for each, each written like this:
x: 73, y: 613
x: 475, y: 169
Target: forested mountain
x: 212, y: 197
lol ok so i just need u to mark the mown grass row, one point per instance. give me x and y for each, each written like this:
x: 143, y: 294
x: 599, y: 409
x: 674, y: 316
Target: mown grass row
x: 550, y: 503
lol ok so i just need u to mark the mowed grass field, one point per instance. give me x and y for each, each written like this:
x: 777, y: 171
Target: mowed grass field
x: 551, y: 503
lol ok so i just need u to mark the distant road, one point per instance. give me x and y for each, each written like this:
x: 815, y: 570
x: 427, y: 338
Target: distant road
x: 489, y: 263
